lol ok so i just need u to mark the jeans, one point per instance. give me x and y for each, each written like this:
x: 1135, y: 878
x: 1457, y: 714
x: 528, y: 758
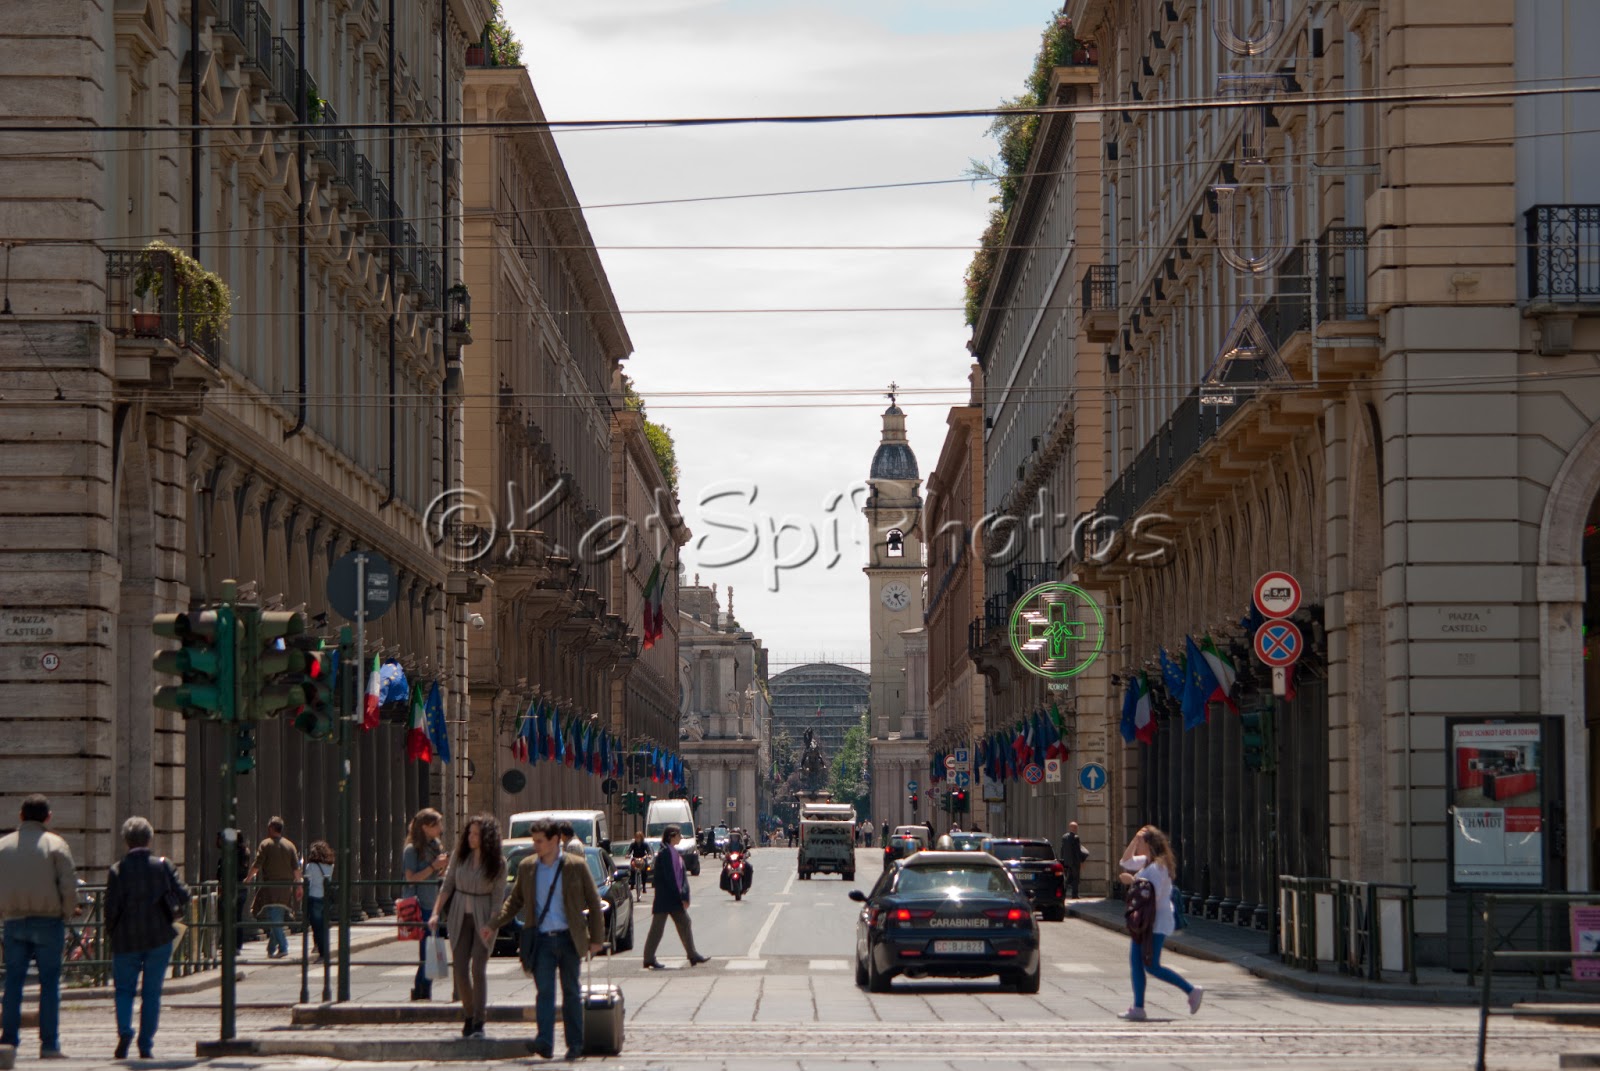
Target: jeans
x: 41, y: 941
x: 552, y: 953
x: 422, y: 985
x: 1155, y: 970
x: 126, y: 969
x: 275, y: 915
x: 317, y: 919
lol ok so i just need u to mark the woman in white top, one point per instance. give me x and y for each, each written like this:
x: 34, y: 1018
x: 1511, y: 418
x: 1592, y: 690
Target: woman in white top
x: 1149, y: 857
x: 318, y: 869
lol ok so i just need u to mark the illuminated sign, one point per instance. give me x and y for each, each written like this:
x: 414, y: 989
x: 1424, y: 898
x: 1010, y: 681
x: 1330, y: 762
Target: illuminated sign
x: 1057, y: 630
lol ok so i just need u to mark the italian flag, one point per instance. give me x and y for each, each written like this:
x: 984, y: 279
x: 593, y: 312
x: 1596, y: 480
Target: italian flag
x: 654, y: 588
x: 417, y: 747
x: 369, y: 706
x: 1222, y: 668
x: 1144, y: 721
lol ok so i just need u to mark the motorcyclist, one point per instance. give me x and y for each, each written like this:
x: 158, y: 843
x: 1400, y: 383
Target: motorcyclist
x: 639, y: 861
x: 736, y: 841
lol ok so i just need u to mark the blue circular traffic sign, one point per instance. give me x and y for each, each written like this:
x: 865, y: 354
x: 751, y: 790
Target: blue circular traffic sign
x: 1092, y: 777
x: 911, y: 786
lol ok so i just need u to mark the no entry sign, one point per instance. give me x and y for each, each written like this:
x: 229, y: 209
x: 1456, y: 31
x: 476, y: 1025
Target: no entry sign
x: 1277, y: 594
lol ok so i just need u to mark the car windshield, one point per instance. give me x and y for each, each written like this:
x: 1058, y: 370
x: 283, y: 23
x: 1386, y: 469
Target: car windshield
x: 966, y: 842
x: 986, y: 879
x: 596, y: 865
x: 1002, y: 850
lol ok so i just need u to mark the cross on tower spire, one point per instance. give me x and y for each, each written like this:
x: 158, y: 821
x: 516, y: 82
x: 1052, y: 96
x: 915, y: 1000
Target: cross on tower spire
x: 894, y: 388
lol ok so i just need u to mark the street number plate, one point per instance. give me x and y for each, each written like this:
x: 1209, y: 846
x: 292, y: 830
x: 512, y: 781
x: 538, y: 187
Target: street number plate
x: 959, y: 948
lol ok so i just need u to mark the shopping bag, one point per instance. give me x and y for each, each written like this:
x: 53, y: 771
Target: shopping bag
x: 408, y: 914
x: 438, y: 962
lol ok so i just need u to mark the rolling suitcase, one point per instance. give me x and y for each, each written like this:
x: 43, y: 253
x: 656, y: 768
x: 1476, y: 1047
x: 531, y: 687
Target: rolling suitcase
x: 603, y: 1013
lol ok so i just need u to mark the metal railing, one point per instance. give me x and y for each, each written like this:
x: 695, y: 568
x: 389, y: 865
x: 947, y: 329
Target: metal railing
x: 1558, y: 948
x: 1100, y: 287
x: 257, y: 36
x: 1347, y: 923
x: 285, y: 74
x: 1342, y: 274
x: 1564, y: 254
x: 156, y: 311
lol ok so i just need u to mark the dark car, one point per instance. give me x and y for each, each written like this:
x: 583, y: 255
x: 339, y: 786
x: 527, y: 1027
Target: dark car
x: 946, y: 915
x: 898, y: 848
x: 615, y: 899
x: 1039, y: 874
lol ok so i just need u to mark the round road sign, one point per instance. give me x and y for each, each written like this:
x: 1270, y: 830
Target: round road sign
x: 379, y: 574
x: 1279, y: 643
x: 950, y: 763
x: 1276, y: 594
x: 1032, y: 773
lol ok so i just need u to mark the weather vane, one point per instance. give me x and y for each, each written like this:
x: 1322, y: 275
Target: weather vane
x: 894, y: 388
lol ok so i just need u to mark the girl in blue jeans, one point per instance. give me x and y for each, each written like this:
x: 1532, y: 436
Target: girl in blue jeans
x: 318, y: 870
x: 1149, y: 858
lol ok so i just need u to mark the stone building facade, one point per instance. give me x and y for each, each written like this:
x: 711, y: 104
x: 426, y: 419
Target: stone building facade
x: 148, y: 459
x: 1344, y: 340
x: 726, y: 709
x: 1043, y: 380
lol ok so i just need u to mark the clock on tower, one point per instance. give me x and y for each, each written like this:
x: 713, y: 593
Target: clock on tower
x: 894, y: 567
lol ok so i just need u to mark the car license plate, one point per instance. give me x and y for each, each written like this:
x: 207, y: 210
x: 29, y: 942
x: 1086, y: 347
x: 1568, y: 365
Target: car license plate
x: 959, y: 948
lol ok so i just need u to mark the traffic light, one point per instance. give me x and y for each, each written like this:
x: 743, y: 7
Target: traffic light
x: 244, y: 753
x: 912, y: 799
x: 315, y: 717
x: 277, y: 671
x: 205, y: 662
x: 694, y: 803
x: 1255, y: 725
x: 958, y: 801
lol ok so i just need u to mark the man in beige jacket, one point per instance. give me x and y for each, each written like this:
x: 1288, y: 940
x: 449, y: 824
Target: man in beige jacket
x: 38, y: 894
x: 561, y: 920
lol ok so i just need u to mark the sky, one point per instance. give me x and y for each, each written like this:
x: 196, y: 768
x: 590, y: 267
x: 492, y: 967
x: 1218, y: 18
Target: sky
x: 752, y: 464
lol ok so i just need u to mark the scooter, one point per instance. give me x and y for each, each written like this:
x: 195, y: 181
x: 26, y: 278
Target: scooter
x: 735, y: 874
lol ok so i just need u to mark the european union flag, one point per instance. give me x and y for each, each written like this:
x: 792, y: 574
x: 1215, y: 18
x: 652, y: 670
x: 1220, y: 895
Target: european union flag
x: 1200, y: 682
x: 438, y: 735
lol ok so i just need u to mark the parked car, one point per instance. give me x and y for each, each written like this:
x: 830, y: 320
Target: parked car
x: 946, y: 915
x: 615, y: 898
x: 1038, y: 873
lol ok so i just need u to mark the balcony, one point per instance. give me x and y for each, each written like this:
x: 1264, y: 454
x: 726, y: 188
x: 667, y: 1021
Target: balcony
x: 1563, y: 254
x: 1342, y: 274
x: 1100, y: 302
x: 285, y: 73
x: 250, y: 27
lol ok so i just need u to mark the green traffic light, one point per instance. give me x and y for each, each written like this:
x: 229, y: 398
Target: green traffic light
x: 205, y: 662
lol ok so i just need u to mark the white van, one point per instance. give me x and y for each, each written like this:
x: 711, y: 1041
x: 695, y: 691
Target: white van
x: 589, y: 827
x: 664, y: 813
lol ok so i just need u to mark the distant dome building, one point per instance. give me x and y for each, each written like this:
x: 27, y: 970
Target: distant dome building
x: 822, y: 696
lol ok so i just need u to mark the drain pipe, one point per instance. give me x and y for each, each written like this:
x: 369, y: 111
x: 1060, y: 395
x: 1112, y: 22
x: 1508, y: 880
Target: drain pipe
x: 194, y: 130
x: 444, y: 238
x: 300, y: 221
x: 392, y: 229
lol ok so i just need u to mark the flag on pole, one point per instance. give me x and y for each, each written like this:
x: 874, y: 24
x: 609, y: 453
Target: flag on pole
x: 438, y: 734
x: 1222, y: 669
x: 654, y: 589
x: 417, y: 749
x: 1138, y: 721
x: 369, y: 703
x: 1172, y: 676
x: 1200, y: 684
x: 521, y: 749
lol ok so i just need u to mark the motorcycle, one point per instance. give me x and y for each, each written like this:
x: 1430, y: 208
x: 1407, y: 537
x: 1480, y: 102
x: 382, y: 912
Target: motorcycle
x: 735, y: 875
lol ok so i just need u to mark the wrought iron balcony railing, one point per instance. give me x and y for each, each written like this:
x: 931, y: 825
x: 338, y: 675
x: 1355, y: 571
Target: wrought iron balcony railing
x: 1564, y: 254
x: 160, y: 311
x: 1342, y: 274
x: 1100, y: 287
x: 285, y: 74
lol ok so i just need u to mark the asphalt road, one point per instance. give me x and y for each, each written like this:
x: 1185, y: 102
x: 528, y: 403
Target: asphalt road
x: 779, y: 993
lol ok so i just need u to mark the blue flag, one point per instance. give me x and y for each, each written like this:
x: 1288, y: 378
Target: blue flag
x: 1130, y: 703
x: 1199, y: 683
x: 1172, y: 676
x: 438, y: 735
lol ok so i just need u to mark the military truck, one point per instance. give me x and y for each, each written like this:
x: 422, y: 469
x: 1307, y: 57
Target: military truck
x: 827, y: 840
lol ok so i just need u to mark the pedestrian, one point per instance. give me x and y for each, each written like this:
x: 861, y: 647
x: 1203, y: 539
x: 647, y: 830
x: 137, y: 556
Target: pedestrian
x: 1073, y: 853
x: 277, y: 866
x: 144, y: 897
x: 791, y: 832
x: 474, y: 884
x: 886, y: 834
x: 38, y: 894
x: 672, y: 901
x: 1149, y: 858
x: 566, y: 833
x: 241, y: 865
x: 319, y: 870
x: 423, y: 862
x: 561, y: 923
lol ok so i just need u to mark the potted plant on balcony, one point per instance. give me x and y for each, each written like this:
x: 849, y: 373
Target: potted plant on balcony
x: 202, y: 300
x: 459, y: 305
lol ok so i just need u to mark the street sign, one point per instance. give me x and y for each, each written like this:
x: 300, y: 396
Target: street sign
x: 50, y: 661
x: 733, y: 804
x: 1278, y: 643
x: 950, y: 763
x: 1091, y: 777
x: 1276, y: 594
x: 1032, y: 774
x: 911, y: 786
x: 963, y: 779
x: 1052, y: 770
x: 1280, y: 681
x: 963, y: 757
x: 342, y: 594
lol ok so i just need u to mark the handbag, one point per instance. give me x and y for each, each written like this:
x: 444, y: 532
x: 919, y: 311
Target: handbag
x: 437, y: 965
x: 408, y: 914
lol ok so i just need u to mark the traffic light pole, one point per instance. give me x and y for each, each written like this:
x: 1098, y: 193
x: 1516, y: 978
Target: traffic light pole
x: 351, y: 692
x: 230, y: 832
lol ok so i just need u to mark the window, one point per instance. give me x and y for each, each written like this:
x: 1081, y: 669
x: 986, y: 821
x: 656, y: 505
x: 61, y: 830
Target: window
x: 897, y: 543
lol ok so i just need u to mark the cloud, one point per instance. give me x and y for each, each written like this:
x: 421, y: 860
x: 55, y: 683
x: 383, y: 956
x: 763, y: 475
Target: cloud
x: 679, y: 58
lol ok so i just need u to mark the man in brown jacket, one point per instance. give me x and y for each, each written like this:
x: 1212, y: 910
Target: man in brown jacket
x: 277, y: 865
x: 38, y: 894
x: 561, y: 920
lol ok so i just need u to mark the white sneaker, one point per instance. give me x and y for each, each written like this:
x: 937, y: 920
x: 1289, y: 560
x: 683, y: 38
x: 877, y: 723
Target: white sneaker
x: 1134, y: 1015
x: 1196, y: 995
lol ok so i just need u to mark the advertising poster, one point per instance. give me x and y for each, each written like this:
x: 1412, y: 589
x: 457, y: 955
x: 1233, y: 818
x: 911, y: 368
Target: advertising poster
x: 1497, y: 804
x: 1586, y: 938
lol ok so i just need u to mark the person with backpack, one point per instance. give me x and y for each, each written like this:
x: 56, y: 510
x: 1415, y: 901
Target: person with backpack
x: 1148, y: 869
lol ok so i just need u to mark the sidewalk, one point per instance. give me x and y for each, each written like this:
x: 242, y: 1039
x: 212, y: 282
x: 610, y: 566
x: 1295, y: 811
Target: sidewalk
x: 1219, y: 941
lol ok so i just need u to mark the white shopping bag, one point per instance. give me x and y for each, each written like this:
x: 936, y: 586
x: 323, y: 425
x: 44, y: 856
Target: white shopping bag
x: 438, y: 964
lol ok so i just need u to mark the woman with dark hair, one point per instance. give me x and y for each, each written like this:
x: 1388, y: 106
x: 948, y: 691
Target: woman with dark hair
x: 318, y: 870
x: 423, y: 861
x: 1149, y: 858
x: 473, y: 887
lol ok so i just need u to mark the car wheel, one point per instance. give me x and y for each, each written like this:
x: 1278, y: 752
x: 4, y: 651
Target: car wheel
x: 849, y: 875
x: 694, y: 868
x: 1028, y: 983
x: 877, y: 981
x: 861, y: 974
x: 625, y: 942
x: 1055, y: 914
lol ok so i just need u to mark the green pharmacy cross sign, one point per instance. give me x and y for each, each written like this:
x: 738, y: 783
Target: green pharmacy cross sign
x: 1057, y: 631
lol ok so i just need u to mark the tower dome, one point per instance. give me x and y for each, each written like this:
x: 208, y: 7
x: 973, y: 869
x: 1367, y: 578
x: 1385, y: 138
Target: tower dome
x: 894, y: 459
